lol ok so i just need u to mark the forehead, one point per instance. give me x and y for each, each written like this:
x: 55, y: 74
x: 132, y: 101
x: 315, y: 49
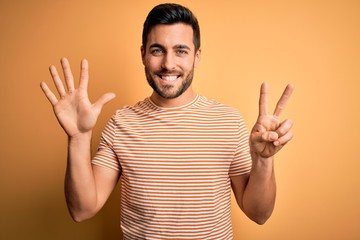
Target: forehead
x: 170, y: 35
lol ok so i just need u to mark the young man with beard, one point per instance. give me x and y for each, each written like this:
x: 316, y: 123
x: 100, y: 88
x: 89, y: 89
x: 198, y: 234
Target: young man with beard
x: 177, y: 154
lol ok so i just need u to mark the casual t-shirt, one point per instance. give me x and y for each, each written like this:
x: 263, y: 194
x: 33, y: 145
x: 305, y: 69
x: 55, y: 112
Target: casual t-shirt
x: 175, y: 166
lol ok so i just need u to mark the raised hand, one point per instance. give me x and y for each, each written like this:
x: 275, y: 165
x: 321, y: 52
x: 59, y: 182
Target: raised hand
x: 269, y: 135
x: 73, y: 109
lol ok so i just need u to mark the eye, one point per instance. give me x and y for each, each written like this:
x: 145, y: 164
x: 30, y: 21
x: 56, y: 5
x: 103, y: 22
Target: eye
x: 157, y: 51
x: 181, y: 52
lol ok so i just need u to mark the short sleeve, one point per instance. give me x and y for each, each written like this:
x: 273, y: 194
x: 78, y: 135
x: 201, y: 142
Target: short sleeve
x: 241, y: 163
x: 105, y: 155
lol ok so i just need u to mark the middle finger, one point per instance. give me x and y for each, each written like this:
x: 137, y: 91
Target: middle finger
x: 69, y: 79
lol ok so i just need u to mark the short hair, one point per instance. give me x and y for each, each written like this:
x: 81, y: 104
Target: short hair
x: 171, y: 13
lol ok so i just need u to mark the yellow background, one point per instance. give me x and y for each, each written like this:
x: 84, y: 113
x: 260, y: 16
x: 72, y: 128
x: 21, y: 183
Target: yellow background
x: 313, y: 44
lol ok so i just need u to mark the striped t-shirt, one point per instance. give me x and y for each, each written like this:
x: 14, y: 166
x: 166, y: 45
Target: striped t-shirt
x: 175, y: 166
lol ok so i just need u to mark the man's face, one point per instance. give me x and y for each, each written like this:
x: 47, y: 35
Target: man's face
x: 169, y: 59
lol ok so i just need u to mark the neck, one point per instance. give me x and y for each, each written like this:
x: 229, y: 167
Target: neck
x: 182, y: 100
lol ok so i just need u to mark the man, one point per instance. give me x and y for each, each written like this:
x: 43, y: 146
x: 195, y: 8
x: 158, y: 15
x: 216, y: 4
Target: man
x: 177, y: 154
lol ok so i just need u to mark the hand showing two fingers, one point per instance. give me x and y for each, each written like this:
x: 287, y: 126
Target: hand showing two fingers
x: 269, y: 135
x: 73, y: 109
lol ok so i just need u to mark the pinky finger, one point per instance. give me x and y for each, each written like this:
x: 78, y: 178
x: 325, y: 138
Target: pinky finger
x: 284, y: 139
x: 48, y: 93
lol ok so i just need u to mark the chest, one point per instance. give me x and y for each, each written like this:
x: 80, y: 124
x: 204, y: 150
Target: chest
x: 181, y: 147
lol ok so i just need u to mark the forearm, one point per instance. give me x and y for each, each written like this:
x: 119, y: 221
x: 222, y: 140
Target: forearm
x: 260, y: 192
x: 80, y: 187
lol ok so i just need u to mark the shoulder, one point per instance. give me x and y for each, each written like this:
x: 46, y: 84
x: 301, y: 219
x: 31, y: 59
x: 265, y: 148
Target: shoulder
x: 224, y: 113
x: 212, y: 105
x: 133, y: 113
x: 143, y: 105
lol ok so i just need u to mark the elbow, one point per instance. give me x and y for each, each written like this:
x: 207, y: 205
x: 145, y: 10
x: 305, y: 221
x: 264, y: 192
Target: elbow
x: 259, y: 213
x: 81, y: 212
x: 81, y: 215
x: 261, y: 219
x: 78, y: 218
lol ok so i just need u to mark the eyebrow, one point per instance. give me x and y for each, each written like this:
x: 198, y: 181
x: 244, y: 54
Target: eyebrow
x: 178, y: 46
x: 156, y: 45
x: 182, y: 46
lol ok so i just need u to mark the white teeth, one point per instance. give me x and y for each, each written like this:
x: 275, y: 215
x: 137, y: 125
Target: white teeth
x: 169, y: 78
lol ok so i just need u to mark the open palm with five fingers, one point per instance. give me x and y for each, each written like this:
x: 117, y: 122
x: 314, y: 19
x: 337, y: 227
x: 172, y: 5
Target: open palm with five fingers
x: 73, y: 109
x: 269, y: 135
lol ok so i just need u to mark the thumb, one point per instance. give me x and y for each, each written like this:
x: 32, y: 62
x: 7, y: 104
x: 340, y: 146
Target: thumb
x: 269, y: 136
x: 266, y: 136
x: 98, y: 105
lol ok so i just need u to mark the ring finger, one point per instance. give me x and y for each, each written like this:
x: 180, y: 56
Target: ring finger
x: 57, y: 81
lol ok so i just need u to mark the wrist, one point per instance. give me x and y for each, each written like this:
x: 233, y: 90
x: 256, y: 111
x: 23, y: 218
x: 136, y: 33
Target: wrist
x: 79, y: 148
x: 258, y: 159
x: 80, y: 137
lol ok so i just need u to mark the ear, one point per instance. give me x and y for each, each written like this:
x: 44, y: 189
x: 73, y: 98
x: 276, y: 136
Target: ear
x: 142, y: 50
x: 197, y: 57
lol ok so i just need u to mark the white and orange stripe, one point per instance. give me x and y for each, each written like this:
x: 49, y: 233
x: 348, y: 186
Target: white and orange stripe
x: 175, y: 167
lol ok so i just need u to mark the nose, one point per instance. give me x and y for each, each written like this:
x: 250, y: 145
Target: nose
x: 168, y: 62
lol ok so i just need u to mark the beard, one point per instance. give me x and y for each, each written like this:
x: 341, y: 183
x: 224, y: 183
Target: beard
x: 169, y: 91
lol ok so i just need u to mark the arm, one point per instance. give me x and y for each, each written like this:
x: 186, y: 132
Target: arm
x: 86, y: 187
x: 255, y: 193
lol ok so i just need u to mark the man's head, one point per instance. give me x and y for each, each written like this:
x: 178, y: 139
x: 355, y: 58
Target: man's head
x: 171, y: 51
x: 170, y: 13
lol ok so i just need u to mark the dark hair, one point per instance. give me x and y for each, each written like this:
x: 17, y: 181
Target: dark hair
x: 170, y: 13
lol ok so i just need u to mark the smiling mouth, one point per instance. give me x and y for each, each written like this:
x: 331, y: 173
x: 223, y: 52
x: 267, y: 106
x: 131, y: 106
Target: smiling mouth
x: 169, y: 77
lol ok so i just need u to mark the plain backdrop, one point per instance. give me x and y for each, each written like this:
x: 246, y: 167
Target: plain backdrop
x: 313, y: 44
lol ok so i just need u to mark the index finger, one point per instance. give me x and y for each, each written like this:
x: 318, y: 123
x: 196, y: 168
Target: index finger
x: 263, y: 100
x: 280, y: 106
